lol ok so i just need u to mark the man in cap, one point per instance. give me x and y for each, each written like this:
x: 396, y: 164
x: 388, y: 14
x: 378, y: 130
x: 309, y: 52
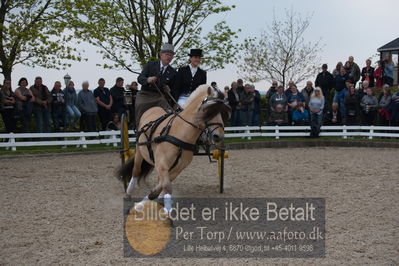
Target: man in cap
x: 156, y: 78
x: 325, y: 80
x: 189, y: 77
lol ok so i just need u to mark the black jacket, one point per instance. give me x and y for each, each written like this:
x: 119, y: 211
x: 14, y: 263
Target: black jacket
x: 117, y: 99
x: 233, y: 101
x: 370, y: 73
x: 56, y: 104
x: 247, y: 100
x: 186, y: 83
x: 351, y: 105
x: 153, y: 68
x: 325, y: 81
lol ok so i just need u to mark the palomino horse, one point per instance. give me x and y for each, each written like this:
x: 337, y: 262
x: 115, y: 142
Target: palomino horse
x: 166, y: 142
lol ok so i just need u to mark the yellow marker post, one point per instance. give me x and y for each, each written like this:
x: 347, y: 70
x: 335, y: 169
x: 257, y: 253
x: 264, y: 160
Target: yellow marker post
x: 220, y: 155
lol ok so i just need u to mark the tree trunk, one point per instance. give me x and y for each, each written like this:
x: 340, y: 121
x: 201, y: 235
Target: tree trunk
x: 6, y: 71
x: 283, y: 81
x: 7, y: 74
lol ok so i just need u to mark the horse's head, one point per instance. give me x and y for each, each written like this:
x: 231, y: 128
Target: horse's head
x: 212, y: 112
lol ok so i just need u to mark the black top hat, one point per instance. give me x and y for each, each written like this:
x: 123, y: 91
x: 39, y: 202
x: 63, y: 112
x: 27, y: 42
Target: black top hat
x: 195, y: 52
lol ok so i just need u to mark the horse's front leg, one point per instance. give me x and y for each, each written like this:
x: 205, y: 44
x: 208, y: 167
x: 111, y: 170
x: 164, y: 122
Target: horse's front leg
x: 166, y: 187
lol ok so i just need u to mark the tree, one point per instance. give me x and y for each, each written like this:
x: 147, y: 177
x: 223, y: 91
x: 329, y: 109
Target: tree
x: 130, y: 32
x: 281, y: 52
x: 30, y: 33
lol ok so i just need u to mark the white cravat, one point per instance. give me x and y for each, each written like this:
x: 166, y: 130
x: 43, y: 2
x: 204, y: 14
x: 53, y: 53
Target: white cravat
x: 193, y: 70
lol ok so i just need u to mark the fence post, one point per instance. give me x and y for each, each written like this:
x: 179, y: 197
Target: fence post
x: 344, y: 131
x: 12, y: 141
x: 371, y: 132
x: 115, y: 143
x: 106, y: 137
x: 248, y: 132
x: 277, y: 132
x: 83, y: 138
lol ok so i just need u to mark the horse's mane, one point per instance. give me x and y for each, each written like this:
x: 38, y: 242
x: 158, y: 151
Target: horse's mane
x: 195, y: 93
x: 211, y: 108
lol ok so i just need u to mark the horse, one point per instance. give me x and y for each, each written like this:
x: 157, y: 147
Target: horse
x: 166, y: 141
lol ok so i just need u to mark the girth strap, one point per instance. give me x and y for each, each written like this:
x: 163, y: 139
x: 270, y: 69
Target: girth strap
x: 175, y: 141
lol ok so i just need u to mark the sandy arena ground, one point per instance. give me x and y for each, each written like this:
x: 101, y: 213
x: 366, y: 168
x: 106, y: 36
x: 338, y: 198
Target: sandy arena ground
x: 68, y: 209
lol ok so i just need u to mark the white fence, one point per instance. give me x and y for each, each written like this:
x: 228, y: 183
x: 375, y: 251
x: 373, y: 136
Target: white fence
x: 304, y: 131
x: 82, y: 139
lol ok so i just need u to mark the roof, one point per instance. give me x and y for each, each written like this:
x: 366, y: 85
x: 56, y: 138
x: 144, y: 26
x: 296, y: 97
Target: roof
x: 394, y: 45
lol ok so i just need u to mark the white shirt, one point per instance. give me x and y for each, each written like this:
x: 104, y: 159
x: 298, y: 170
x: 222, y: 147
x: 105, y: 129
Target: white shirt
x: 193, y: 70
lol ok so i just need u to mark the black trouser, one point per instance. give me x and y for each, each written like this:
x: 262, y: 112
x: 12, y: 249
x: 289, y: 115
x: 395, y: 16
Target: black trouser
x: 301, y: 122
x: 25, y: 117
x: 9, y: 119
x: 327, y: 100
x: 395, y: 114
x: 383, y: 121
x: 316, y: 121
x: 132, y: 117
x: 105, y: 116
x: 89, y: 122
x: 58, y: 117
x: 350, y: 120
x: 368, y: 118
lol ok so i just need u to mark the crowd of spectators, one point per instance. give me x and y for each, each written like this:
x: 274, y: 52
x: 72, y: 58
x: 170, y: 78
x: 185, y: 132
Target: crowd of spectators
x: 332, y: 100
x: 62, y: 109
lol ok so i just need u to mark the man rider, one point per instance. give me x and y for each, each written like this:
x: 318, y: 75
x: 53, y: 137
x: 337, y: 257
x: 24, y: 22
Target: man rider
x: 156, y: 78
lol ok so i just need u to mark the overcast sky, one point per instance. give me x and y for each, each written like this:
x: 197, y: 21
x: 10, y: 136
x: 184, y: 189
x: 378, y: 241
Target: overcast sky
x: 347, y: 27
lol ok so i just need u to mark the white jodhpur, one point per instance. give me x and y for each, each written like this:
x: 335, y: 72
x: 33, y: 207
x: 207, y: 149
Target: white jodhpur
x: 182, y: 100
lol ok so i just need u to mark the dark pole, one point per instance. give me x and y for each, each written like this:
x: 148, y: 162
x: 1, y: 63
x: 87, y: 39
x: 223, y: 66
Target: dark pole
x: 221, y: 189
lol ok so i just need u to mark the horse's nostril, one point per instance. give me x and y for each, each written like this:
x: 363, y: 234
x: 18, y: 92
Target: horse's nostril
x: 217, y: 138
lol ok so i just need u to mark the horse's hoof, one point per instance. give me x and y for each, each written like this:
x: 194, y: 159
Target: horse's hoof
x: 127, y: 196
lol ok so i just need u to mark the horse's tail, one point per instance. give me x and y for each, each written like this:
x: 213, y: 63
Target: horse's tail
x: 124, y: 172
x: 145, y: 170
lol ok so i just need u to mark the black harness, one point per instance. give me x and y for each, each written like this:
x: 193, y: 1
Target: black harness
x: 149, y: 129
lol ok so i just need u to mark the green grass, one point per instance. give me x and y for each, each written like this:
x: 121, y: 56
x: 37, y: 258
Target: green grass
x: 103, y: 147
x: 57, y: 149
x: 260, y: 139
